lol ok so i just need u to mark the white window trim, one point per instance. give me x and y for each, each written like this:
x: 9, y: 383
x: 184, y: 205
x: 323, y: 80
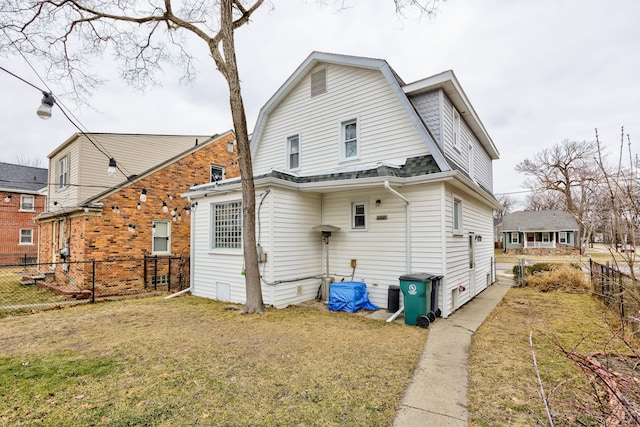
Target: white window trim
x: 517, y: 237
x: 457, y: 231
x: 59, y: 170
x: 33, y: 203
x: 343, y: 154
x: 153, y: 236
x: 547, y: 235
x: 457, y: 126
x: 20, y: 242
x: 365, y: 205
x: 563, y: 237
x: 288, y: 151
x: 211, y: 248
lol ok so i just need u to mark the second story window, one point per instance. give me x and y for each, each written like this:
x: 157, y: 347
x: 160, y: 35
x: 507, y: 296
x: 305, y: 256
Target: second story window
x: 63, y: 172
x: 293, y: 152
x: 456, y: 129
x: 350, y: 139
x: 217, y: 173
x: 26, y: 202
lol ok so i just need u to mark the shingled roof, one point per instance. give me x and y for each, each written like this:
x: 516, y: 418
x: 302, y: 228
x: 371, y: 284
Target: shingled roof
x: 552, y: 220
x: 18, y: 178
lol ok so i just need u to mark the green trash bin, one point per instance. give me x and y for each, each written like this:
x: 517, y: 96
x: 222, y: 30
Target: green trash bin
x: 416, y: 289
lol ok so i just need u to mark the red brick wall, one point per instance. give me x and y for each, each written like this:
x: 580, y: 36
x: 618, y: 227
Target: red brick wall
x: 11, y: 221
x: 106, y: 235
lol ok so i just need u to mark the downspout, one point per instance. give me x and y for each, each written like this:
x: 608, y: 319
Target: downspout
x: 407, y: 238
x: 408, y: 223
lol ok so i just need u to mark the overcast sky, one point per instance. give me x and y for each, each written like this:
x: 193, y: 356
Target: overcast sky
x: 536, y: 72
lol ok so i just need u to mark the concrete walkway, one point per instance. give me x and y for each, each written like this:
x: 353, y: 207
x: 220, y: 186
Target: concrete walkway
x: 437, y: 394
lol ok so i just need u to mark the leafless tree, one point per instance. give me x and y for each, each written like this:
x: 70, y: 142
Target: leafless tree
x: 507, y: 203
x: 143, y: 35
x: 26, y: 160
x: 568, y: 170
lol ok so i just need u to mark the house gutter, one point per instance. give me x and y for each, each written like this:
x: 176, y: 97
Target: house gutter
x: 408, y: 223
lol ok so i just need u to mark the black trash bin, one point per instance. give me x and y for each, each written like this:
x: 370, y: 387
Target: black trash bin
x: 393, y: 299
x: 435, y: 291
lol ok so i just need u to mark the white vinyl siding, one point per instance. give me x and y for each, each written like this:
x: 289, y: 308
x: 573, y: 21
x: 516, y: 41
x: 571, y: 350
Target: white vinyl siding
x: 385, y: 130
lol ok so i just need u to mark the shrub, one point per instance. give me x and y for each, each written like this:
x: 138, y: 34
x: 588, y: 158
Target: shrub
x: 566, y: 278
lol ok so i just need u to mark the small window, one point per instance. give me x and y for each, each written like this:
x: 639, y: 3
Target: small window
x: 545, y: 237
x: 26, y: 236
x: 226, y: 225
x: 359, y: 215
x: 456, y: 129
x: 26, y: 202
x: 293, y: 152
x: 161, y: 237
x: 457, y: 216
x: 319, y: 82
x: 562, y: 237
x: 217, y: 173
x: 63, y: 171
x: 350, y: 139
x: 515, y: 237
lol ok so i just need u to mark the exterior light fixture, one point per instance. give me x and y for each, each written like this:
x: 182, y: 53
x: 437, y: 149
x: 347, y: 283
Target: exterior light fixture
x: 165, y: 208
x: 143, y: 195
x: 138, y: 206
x: 44, y: 111
x: 170, y: 196
x: 173, y: 212
x: 8, y: 198
x: 113, y: 167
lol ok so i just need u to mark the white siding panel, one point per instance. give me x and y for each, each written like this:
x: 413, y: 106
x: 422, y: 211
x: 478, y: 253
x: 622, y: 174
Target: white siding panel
x: 385, y: 129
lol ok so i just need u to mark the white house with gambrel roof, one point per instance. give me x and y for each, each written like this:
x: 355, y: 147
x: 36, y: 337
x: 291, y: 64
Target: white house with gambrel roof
x: 400, y: 176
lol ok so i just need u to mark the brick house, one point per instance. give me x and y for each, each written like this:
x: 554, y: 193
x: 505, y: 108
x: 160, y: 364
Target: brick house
x: 22, y: 197
x: 141, y: 215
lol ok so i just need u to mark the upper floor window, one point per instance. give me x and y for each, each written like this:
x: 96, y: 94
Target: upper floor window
x: 349, y: 137
x: 456, y: 128
x: 63, y: 172
x: 26, y: 236
x: 358, y: 215
x: 161, y: 237
x: 26, y: 202
x: 217, y: 173
x: 293, y: 152
x: 226, y: 225
x: 457, y: 216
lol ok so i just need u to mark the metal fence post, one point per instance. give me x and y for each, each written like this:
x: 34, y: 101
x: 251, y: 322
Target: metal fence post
x: 93, y: 281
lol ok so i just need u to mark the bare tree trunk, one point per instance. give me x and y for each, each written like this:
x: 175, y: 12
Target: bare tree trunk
x: 254, y: 302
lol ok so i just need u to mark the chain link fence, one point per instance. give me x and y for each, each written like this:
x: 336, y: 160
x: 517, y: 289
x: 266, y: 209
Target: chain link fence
x: 33, y: 287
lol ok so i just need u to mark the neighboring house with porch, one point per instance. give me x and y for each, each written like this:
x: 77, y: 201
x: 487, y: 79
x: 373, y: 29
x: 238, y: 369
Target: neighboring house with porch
x: 136, y: 213
x: 532, y: 230
x: 359, y: 177
x: 22, y: 197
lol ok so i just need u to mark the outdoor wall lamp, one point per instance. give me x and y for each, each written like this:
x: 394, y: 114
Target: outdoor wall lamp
x: 143, y: 195
x: 113, y: 167
x: 44, y: 111
x: 165, y: 208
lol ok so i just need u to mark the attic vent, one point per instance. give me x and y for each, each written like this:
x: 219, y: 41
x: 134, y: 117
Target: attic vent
x: 319, y: 82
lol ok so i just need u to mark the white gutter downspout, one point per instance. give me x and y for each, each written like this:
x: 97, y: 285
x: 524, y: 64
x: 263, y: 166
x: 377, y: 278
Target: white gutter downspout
x: 408, y: 225
x: 407, y: 238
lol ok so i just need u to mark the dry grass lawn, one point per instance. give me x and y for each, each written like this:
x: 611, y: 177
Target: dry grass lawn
x: 188, y: 361
x: 503, y: 387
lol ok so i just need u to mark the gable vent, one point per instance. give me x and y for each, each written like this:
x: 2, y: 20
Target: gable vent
x: 319, y: 82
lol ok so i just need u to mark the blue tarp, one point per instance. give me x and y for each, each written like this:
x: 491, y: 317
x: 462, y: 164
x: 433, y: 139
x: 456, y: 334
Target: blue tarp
x: 349, y: 297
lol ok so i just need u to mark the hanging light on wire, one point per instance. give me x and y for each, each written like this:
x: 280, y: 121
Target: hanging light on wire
x: 113, y: 167
x: 44, y: 111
